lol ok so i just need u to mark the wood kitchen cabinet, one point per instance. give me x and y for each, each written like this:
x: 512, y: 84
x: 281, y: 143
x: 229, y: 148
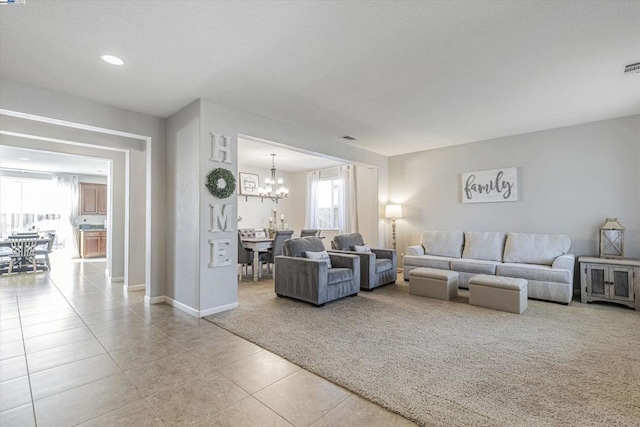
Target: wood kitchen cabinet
x: 93, y: 244
x: 93, y: 199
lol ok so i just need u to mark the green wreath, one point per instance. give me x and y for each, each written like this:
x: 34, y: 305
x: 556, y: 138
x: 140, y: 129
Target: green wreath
x: 221, y: 183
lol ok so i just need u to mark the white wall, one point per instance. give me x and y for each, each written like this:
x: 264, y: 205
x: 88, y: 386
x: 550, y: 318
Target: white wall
x: 255, y: 213
x: 572, y: 178
x: 146, y: 158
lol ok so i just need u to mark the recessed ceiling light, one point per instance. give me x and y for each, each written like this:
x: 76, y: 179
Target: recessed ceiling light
x: 24, y: 158
x: 113, y: 60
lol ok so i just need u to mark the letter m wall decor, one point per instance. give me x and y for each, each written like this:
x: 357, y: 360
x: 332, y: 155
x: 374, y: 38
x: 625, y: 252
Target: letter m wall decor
x: 495, y: 185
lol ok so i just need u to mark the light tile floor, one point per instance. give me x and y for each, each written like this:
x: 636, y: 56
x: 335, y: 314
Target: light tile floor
x: 76, y: 350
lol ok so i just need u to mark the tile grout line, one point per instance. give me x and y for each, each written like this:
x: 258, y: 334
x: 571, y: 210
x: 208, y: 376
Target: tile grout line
x: 26, y: 362
x: 107, y: 351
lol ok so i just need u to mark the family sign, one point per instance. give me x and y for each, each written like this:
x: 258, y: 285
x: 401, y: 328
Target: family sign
x: 495, y: 185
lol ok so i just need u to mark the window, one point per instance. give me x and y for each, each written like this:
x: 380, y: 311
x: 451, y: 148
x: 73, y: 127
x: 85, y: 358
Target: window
x: 27, y: 204
x: 329, y: 203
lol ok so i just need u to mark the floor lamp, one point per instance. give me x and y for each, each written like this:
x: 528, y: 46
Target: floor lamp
x: 393, y: 212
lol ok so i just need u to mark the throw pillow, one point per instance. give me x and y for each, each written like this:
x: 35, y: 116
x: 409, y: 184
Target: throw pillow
x: 363, y: 248
x: 324, y: 256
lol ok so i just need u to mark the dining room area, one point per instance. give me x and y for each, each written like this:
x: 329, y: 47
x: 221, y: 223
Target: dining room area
x: 285, y: 193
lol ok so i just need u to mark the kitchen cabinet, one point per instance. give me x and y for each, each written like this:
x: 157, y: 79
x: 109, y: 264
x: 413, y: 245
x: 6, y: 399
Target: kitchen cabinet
x: 93, y: 244
x: 93, y: 199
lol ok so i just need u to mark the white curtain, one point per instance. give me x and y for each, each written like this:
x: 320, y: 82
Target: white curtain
x: 311, y: 217
x: 348, y: 213
x: 68, y: 189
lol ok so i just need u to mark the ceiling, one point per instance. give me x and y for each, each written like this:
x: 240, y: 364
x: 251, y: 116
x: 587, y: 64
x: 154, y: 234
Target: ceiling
x: 400, y: 76
x: 45, y: 161
x: 258, y: 154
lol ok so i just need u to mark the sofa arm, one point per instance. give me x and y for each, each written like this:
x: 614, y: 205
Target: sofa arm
x: 345, y: 260
x: 415, y: 250
x: 301, y: 278
x: 387, y: 254
x: 564, y: 262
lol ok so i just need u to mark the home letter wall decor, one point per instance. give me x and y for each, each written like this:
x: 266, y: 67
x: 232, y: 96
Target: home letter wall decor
x: 220, y: 217
x: 219, y: 254
x: 221, y: 184
x: 221, y: 148
x: 495, y: 185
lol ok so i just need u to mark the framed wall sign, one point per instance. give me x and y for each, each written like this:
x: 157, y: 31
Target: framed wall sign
x: 495, y: 185
x: 249, y: 184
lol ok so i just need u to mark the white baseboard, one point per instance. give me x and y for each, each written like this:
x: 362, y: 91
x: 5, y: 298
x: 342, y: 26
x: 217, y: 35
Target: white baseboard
x: 181, y: 306
x: 189, y: 310
x: 220, y: 309
x: 154, y: 300
x: 117, y: 279
x: 131, y: 288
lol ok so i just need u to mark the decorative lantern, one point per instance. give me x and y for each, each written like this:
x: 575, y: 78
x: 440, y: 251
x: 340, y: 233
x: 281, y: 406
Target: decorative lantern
x: 611, y: 239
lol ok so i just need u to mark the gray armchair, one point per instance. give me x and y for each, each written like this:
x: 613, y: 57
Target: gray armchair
x: 377, y: 268
x: 312, y: 280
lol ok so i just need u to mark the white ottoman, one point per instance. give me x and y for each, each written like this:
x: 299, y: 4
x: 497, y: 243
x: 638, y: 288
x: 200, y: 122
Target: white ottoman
x: 498, y: 293
x: 433, y: 283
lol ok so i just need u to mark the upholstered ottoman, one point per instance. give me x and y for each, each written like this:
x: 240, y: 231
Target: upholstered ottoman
x: 433, y: 283
x: 498, y: 293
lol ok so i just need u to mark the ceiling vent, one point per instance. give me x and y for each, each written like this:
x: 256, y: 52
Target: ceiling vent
x: 349, y: 138
x: 632, y: 68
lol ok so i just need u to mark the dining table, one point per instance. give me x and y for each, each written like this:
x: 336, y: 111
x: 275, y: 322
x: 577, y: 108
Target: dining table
x: 257, y: 245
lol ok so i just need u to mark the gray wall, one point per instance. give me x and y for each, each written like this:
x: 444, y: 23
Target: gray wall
x: 183, y: 144
x: 571, y: 179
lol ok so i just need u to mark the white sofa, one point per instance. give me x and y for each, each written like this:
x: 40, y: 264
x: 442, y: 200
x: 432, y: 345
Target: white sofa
x: 543, y: 259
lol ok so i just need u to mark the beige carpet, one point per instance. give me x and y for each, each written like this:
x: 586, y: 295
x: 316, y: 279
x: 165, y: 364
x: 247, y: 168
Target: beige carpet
x: 449, y: 363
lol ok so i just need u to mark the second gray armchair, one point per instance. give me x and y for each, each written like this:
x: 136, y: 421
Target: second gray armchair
x: 377, y: 266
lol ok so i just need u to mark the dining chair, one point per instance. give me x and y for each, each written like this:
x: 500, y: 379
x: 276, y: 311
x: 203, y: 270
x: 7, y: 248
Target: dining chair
x: 44, y: 249
x: 309, y: 233
x: 278, y: 240
x: 245, y: 258
x: 23, y: 250
x: 247, y: 232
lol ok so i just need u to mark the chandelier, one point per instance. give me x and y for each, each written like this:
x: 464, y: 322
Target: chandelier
x: 274, y: 189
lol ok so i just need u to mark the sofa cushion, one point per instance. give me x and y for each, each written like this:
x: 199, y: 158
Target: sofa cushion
x: 337, y: 275
x: 486, y: 246
x: 346, y: 242
x: 383, y: 264
x: 443, y: 263
x: 535, y: 248
x: 541, y: 273
x: 322, y: 256
x: 297, y: 247
x: 474, y: 266
x: 443, y: 243
x: 363, y: 248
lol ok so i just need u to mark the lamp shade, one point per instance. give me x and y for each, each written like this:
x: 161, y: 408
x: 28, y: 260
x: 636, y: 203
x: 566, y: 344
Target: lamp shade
x: 393, y: 211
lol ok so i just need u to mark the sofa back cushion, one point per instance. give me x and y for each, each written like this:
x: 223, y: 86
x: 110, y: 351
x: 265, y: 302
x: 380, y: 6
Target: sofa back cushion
x: 443, y: 243
x: 298, y: 247
x: 487, y: 246
x: 535, y: 248
x: 346, y: 242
